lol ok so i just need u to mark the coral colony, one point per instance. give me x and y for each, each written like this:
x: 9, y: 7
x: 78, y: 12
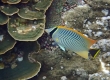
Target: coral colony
x: 21, y: 20
x: 47, y: 43
x: 22, y: 35
x: 95, y: 21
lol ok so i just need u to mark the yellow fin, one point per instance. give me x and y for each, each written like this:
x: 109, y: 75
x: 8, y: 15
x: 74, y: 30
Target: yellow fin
x: 83, y: 54
x: 89, y: 41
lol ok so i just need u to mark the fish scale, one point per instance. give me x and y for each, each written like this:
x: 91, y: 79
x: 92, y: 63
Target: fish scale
x: 63, y: 38
x: 73, y: 40
x: 70, y: 40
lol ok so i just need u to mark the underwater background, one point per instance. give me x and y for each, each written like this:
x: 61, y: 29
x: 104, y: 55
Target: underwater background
x: 27, y: 52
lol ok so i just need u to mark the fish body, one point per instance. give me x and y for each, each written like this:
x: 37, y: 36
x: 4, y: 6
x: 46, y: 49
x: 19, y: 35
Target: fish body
x: 71, y: 39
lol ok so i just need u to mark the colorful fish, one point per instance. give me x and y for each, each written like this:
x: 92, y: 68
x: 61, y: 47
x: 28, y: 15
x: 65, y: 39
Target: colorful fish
x: 73, y: 40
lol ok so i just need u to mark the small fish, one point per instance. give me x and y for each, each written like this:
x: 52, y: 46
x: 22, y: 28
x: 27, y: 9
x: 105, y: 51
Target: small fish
x: 73, y: 40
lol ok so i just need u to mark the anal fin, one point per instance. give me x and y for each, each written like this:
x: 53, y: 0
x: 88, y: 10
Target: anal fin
x: 83, y: 54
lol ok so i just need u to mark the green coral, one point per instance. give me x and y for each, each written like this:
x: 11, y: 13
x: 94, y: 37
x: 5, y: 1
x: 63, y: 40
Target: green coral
x: 24, y: 69
x: 25, y: 30
x: 20, y: 21
x: 45, y: 4
x: 6, y: 43
x: 9, y: 10
x: 3, y: 19
x: 31, y: 15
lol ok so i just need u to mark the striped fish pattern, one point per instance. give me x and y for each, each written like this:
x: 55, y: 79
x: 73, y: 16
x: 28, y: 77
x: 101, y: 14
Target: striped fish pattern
x: 65, y: 38
x: 72, y: 40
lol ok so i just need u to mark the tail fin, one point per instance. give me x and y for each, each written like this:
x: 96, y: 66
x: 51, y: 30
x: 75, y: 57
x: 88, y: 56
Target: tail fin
x: 94, y: 52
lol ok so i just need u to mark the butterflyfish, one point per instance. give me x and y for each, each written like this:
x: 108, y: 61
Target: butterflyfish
x: 70, y: 39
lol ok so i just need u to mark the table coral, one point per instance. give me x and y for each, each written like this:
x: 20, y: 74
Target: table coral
x: 15, y: 70
x: 25, y: 11
x: 6, y: 42
x: 20, y: 20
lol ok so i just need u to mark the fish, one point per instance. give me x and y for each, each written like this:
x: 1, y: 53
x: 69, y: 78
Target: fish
x: 71, y: 39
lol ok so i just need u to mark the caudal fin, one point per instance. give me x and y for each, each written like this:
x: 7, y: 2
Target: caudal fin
x: 94, y: 52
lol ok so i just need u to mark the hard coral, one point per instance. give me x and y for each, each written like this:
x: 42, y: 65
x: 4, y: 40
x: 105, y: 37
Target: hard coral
x: 75, y: 17
x: 6, y: 41
x: 34, y: 14
x: 15, y: 70
x: 98, y: 4
x: 25, y: 21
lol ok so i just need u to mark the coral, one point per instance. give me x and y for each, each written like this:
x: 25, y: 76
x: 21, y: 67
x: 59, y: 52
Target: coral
x: 18, y: 70
x: 75, y: 17
x: 99, y: 76
x: 3, y: 19
x: 98, y: 4
x: 9, y: 10
x: 44, y: 3
x: 32, y: 14
x: 25, y: 30
x: 94, y: 23
x: 11, y: 1
x: 47, y: 43
x: 67, y: 64
x: 21, y: 20
x: 1, y: 65
x: 6, y: 41
x: 24, y: 1
x: 24, y: 22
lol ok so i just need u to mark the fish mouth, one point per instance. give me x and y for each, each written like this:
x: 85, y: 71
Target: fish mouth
x: 49, y: 30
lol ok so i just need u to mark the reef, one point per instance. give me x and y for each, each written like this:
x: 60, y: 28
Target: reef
x: 90, y: 18
x: 27, y: 52
x: 15, y: 64
x: 25, y: 22
x: 22, y: 22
